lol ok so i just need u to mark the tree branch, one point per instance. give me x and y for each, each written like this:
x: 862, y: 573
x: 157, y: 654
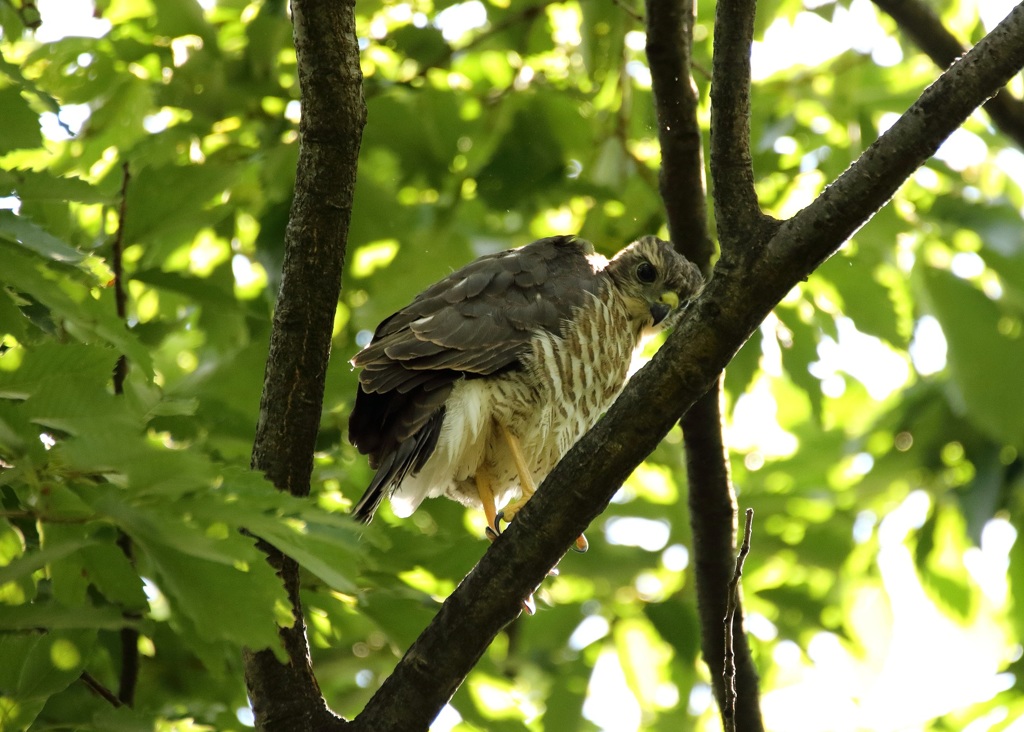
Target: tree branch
x: 730, y: 308
x: 712, y: 500
x: 920, y: 23
x: 100, y: 690
x: 117, y: 266
x: 741, y: 224
x: 669, y: 41
x: 712, y: 503
x: 287, y: 697
x: 129, y: 675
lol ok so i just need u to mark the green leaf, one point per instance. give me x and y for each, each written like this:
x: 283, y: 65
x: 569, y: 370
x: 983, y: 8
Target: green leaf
x: 740, y: 372
x: 19, y: 230
x: 152, y: 526
x: 324, y: 550
x: 118, y: 121
x: 951, y: 592
x: 71, y: 302
x: 121, y: 447
x: 12, y: 319
x: 157, y: 194
x: 676, y: 621
x: 35, y: 560
x: 14, y: 649
x: 799, y: 353
x: 34, y: 185
x: 54, y: 617
x: 425, y: 45
x: 983, y: 359
x: 237, y: 604
x: 108, y: 568
x: 61, y: 369
x: 55, y: 661
x: 20, y: 123
x: 868, y: 302
x: 527, y: 160
x: 401, y: 613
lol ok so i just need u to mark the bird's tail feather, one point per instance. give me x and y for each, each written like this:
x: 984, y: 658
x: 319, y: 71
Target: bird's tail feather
x: 410, y: 456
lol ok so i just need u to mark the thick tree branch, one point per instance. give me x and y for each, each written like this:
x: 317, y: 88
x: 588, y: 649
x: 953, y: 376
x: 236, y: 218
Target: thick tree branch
x: 712, y: 503
x: 287, y: 697
x: 741, y: 224
x: 731, y: 307
x: 920, y: 23
x: 711, y: 497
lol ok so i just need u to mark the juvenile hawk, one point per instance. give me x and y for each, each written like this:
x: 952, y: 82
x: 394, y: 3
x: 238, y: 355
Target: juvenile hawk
x: 478, y: 387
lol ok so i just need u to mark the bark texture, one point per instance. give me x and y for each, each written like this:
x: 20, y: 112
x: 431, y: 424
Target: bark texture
x: 712, y: 501
x: 285, y: 696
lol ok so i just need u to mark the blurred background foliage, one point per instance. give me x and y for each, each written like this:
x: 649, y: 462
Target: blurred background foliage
x: 876, y: 421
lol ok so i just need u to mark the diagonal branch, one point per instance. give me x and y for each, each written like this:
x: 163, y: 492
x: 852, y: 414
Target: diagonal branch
x: 731, y: 307
x: 920, y: 23
x: 286, y: 696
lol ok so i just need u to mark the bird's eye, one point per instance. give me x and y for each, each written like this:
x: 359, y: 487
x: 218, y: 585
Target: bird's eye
x: 646, y: 272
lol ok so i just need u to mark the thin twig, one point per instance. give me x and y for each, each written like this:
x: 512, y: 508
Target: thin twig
x: 99, y: 689
x: 129, y: 635
x: 631, y: 12
x: 129, y: 678
x: 117, y: 264
x: 732, y: 602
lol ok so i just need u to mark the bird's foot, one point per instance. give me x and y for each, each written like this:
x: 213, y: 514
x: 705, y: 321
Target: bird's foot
x: 509, y: 512
x: 580, y: 545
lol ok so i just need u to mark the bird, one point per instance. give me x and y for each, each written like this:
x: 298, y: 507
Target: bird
x: 478, y: 387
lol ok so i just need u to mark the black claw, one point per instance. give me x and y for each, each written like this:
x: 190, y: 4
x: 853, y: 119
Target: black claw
x: 491, y: 533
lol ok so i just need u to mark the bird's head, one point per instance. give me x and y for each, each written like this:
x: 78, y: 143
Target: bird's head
x: 655, y: 280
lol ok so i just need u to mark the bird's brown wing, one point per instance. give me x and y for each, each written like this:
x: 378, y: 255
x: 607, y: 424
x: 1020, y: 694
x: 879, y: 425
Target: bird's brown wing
x: 475, y: 322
